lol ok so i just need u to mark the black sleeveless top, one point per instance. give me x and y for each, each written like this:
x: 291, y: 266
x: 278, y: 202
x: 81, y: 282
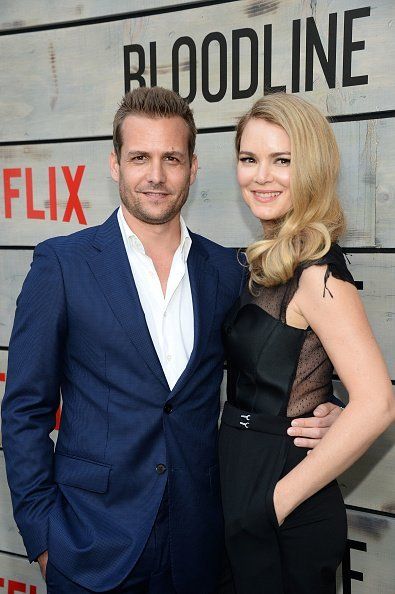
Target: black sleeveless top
x: 274, y: 368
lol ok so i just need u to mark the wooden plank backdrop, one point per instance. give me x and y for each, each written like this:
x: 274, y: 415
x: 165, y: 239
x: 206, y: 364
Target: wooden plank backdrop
x: 376, y: 467
x: 3, y: 374
x: 3, y: 369
x: 17, y: 575
x: 371, y: 555
x: 33, y: 13
x: 385, y: 180
x: 61, y: 82
x: 10, y: 539
x: 57, y: 66
x: 38, y: 171
x: 13, y: 269
x: 376, y: 271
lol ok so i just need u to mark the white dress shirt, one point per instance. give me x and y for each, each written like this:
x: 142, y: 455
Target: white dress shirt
x: 169, y: 317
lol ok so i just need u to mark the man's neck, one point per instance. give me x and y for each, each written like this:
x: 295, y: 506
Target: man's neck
x: 156, y: 239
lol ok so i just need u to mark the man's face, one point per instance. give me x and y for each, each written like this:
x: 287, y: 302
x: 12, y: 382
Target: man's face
x: 155, y: 172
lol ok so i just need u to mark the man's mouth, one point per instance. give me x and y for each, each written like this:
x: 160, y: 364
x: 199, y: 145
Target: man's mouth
x: 155, y: 195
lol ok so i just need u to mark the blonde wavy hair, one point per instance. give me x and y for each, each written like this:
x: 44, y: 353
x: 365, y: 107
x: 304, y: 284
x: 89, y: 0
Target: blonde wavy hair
x: 316, y: 218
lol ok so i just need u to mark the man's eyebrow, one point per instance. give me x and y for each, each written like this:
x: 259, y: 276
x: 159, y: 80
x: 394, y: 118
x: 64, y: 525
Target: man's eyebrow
x: 135, y: 153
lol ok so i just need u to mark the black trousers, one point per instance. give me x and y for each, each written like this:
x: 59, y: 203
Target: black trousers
x: 301, y: 556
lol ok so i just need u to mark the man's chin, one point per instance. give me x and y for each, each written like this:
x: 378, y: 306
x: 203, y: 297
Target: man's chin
x: 155, y: 218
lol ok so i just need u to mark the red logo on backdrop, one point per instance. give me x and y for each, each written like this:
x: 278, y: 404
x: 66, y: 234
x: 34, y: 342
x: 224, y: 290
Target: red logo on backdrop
x: 14, y: 587
x: 57, y: 419
x: 2, y: 376
x: 73, y: 183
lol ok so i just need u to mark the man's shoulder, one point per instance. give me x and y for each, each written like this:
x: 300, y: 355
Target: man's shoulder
x: 83, y: 241
x: 213, y: 249
x: 63, y: 244
x: 227, y: 260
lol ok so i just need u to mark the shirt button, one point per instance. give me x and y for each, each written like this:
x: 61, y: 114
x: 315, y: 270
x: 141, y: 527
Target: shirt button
x: 160, y: 468
x: 168, y: 357
x: 168, y: 408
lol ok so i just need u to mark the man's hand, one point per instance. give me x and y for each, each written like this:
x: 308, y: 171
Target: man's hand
x: 311, y: 430
x: 42, y: 561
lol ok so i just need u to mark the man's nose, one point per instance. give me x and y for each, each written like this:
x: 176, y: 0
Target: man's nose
x: 156, y: 172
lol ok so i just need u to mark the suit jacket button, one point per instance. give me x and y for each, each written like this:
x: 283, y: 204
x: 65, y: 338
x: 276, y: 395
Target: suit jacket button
x: 160, y: 468
x: 168, y: 408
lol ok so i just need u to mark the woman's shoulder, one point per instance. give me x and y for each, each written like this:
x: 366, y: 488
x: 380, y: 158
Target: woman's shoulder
x: 335, y: 262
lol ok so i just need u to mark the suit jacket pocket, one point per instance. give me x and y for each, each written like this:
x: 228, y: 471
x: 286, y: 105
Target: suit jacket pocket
x: 81, y: 473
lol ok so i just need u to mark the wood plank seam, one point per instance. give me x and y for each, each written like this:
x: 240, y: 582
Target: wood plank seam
x: 113, y: 17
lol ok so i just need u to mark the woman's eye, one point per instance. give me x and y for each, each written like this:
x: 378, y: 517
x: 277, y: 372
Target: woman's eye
x: 246, y: 159
x: 283, y: 161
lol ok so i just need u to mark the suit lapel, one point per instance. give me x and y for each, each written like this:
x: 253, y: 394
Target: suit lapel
x: 203, y: 278
x: 110, y: 266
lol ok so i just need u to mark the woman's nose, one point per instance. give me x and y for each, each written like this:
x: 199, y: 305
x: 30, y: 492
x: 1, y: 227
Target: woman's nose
x: 263, y: 174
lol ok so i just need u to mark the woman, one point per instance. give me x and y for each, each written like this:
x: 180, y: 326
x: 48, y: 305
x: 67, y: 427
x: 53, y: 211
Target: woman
x: 285, y: 520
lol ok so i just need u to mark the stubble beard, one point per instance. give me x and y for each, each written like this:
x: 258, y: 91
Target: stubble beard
x: 135, y: 207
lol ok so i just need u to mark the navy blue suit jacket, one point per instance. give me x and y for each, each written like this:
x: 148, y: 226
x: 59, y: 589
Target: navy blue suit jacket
x: 79, y: 328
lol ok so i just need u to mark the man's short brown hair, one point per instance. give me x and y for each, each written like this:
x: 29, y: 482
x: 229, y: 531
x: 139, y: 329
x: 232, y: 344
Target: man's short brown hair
x: 153, y: 102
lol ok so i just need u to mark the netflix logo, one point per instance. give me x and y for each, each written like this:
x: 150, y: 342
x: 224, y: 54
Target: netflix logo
x: 61, y: 182
x: 13, y: 587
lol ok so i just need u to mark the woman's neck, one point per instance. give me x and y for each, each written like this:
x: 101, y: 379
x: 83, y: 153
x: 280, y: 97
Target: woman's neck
x: 270, y: 229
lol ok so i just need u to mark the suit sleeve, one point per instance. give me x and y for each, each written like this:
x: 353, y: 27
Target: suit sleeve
x: 32, y: 397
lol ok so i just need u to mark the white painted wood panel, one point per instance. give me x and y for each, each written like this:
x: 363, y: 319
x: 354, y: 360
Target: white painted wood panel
x: 214, y: 209
x: 10, y: 539
x: 3, y: 373
x: 69, y: 80
x: 376, y: 271
x: 13, y: 269
x: 376, y: 467
x: 17, y: 575
x: 385, y: 196
x: 377, y: 534
x: 97, y: 193
x: 31, y: 13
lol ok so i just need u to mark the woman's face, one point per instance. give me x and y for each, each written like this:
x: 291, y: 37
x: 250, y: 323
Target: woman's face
x: 263, y: 169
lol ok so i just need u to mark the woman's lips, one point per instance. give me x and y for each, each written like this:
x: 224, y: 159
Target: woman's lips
x: 265, y: 196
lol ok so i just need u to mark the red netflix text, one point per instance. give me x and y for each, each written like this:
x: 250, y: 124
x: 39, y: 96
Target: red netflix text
x: 13, y: 587
x: 73, y: 183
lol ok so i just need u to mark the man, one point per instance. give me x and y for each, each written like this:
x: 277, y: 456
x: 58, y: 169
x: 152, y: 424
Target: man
x: 129, y: 502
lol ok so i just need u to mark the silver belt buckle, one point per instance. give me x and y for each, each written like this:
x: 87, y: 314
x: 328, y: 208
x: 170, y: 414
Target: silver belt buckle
x: 245, y: 423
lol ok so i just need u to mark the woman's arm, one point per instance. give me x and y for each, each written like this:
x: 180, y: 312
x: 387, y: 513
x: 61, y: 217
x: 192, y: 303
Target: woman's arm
x: 342, y: 326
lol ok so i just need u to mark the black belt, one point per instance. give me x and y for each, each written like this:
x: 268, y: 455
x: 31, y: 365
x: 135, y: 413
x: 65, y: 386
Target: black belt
x: 249, y: 421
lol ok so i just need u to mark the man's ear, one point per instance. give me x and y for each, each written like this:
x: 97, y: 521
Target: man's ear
x: 114, y: 166
x: 194, y: 169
